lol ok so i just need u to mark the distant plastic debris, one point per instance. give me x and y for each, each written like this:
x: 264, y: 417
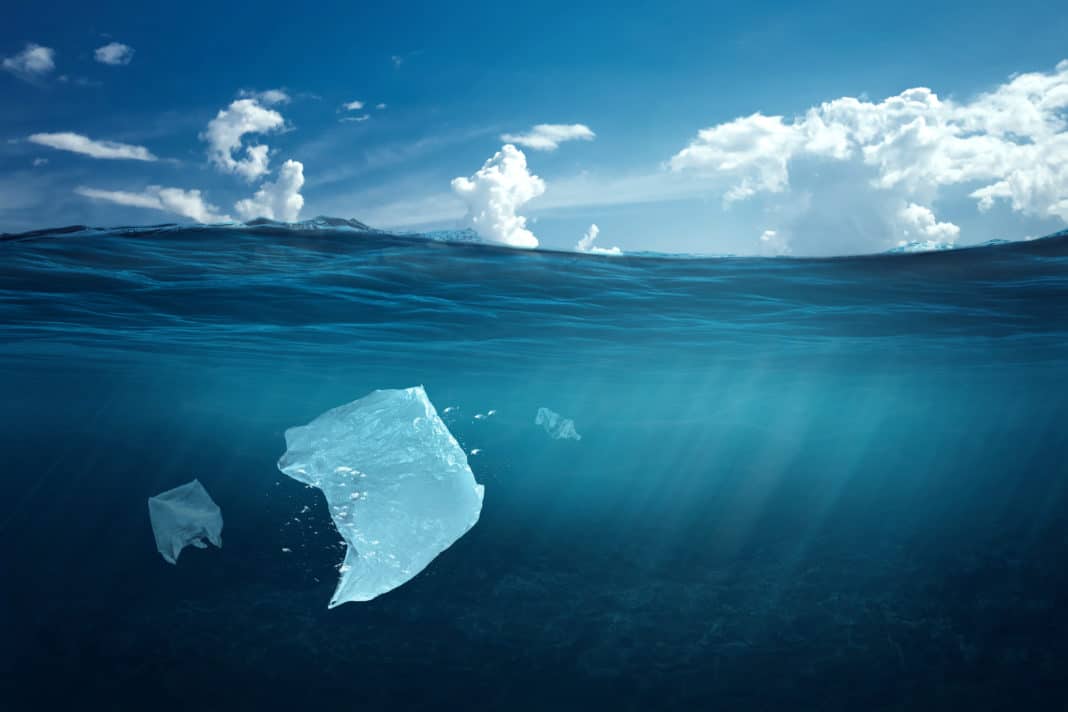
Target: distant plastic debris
x: 397, y: 485
x: 182, y: 516
x: 558, y: 427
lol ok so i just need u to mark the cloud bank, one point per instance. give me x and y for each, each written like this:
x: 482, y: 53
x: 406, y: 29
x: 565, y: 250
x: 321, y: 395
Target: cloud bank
x: 548, y: 137
x: 186, y: 203
x: 114, y: 53
x: 495, y: 193
x: 225, y: 133
x: 76, y: 143
x: 1008, y: 145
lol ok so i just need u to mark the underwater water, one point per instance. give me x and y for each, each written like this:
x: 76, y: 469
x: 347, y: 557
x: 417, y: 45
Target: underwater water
x: 830, y: 484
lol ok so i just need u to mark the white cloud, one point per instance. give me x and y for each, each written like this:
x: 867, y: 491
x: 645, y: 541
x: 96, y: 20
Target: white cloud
x: 146, y: 199
x: 380, y: 107
x: 114, y: 53
x: 225, y: 132
x: 773, y: 244
x: 548, y: 137
x: 920, y: 223
x: 1009, y: 144
x: 189, y: 204
x: 280, y: 200
x: 586, y: 243
x: 274, y: 96
x: 76, y: 143
x: 33, y: 62
x: 753, y: 150
x: 496, y: 192
x: 38, y: 162
x: 352, y: 105
x: 269, y: 97
x: 186, y: 203
x: 357, y: 119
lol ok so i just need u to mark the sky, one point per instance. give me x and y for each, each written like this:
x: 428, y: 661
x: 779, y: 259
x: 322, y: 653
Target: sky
x: 694, y: 127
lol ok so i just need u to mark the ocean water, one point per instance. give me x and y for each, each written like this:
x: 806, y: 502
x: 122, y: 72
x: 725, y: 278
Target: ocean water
x: 834, y: 484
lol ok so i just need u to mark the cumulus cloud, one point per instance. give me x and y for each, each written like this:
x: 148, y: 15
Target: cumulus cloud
x: 919, y: 222
x: 548, y: 137
x: 225, y: 133
x: 114, y: 53
x: 280, y: 200
x: 77, y: 143
x: 356, y: 119
x: 38, y: 162
x: 352, y: 105
x: 380, y: 107
x: 1009, y: 144
x: 33, y: 62
x: 754, y: 150
x: 586, y: 243
x: 495, y: 193
x: 186, y: 203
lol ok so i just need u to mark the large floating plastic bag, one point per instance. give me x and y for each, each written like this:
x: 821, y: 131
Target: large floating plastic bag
x: 182, y: 516
x: 398, y: 486
x: 557, y: 426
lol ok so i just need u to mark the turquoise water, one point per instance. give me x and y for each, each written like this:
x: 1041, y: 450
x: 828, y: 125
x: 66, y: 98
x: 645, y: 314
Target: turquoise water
x: 802, y: 484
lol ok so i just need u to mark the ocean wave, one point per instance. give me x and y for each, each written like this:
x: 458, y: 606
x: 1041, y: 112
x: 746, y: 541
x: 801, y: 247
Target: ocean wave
x: 323, y: 288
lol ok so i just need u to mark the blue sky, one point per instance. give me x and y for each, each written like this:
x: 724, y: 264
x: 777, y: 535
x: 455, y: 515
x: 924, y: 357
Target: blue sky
x: 455, y: 78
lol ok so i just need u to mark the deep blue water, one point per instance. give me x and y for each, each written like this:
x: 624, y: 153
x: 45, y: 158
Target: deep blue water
x: 835, y: 484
